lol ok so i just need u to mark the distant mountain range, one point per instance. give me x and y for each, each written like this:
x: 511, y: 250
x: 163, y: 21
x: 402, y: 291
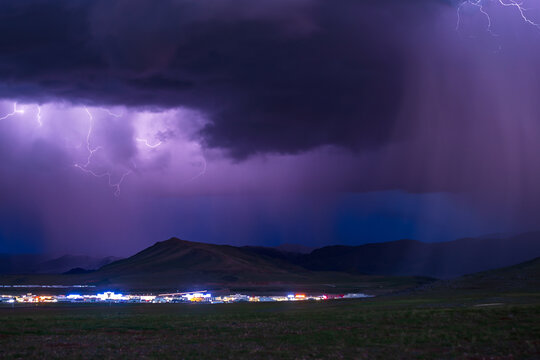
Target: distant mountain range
x: 176, y: 263
x: 180, y: 264
x: 43, y: 264
x: 440, y: 260
x: 521, y: 278
x: 205, y: 262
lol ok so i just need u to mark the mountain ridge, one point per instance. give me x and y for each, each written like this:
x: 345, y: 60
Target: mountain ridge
x: 404, y: 257
x: 48, y: 264
x: 411, y: 257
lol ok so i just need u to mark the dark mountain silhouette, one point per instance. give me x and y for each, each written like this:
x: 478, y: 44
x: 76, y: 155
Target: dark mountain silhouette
x: 295, y: 248
x: 441, y: 260
x: 177, y: 264
x: 68, y: 262
x: 193, y: 263
x: 46, y: 264
x: 274, y: 253
x: 522, y: 278
x: 175, y: 254
x: 76, y: 271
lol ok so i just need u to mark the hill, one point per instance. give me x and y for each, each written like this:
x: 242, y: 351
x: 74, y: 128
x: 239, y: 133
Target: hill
x: 440, y: 260
x: 202, y: 261
x: 397, y: 258
x: 177, y: 264
x: 523, y: 277
x: 184, y: 264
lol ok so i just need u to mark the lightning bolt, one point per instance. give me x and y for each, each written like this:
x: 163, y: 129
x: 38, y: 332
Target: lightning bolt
x: 458, y: 13
x: 87, y: 166
x: 480, y: 5
x: 201, y: 173
x: 14, y: 112
x: 147, y: 143
x: 38, y: 116
x: 521, y: 10
x: 112, y: 113
x: 119, y: 183
x: 91, y: 151
x: 17, y: 111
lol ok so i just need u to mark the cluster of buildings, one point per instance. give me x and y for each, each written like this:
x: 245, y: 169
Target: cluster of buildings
x: 186, y: 297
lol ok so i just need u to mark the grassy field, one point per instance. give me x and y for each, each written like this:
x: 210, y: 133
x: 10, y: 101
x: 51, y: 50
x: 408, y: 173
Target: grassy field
x: 476, y: 327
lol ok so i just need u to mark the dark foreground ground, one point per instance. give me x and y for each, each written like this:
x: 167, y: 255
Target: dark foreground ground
x: 463, y: 326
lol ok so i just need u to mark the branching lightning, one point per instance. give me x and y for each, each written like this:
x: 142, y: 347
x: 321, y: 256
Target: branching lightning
x: 521, y: 10
x: 91, y: 151
x: 147, y: 143
x: 90, y: 165
x: 20, y: 111
x: 479, y: 4
x: 15, y: 111
x: 112, y: 113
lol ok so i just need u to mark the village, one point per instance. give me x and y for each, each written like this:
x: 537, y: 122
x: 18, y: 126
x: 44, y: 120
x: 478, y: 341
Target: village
x: 202, y: 296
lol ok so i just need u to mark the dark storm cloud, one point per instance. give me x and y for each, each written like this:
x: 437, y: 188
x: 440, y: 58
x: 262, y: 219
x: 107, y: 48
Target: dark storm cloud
x: 431, y: 109
x: 272, y: 76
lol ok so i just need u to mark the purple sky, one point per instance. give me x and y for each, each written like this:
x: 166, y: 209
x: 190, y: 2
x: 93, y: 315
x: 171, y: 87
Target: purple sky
x: 314, y: 122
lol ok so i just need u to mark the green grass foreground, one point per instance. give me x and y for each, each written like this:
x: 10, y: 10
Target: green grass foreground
x: 386, y: 328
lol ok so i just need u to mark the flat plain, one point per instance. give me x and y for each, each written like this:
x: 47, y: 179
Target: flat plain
x: 415, y: 326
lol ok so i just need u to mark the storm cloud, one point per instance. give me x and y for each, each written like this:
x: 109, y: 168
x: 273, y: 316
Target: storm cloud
x: 261, y: 122
x: 263, y: 72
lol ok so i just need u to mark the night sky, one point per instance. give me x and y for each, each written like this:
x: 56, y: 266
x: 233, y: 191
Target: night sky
x: 314, y: 122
